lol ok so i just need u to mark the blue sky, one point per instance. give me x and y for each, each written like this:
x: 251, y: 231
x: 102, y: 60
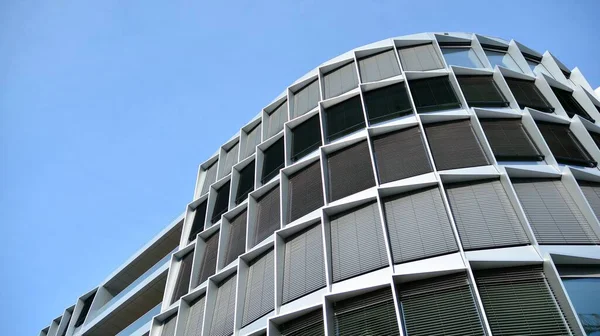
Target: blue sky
x: 108, y: 107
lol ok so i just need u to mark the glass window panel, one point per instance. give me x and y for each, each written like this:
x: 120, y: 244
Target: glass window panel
x: 585, y: 296
x: 538, y: 68
x: 502, y: 59
x: 464, y: 57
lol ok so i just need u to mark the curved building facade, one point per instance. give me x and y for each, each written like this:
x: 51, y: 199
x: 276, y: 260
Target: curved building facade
x: 429, y: 184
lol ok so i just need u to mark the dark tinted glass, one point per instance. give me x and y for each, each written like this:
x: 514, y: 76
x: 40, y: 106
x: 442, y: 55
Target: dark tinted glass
x: 273, y: 161
x: 344, y: 118
x: 306, y: 137
x: 509, y: 140
x: 571, y: 105
x: 528, y: 95
x: 387, y: 103
x: 221, y: 203
x: 481, y: 91
x: 198, y: 224
x: 432, y: 94
x: 564, y: 145
x: 246, y: 183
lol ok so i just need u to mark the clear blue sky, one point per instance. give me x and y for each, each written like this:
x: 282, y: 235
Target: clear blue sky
x: 108, y: 107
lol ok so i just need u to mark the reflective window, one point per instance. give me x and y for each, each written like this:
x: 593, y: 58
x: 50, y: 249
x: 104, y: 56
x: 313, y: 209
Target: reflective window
x: 502, y: 59
x: 585, y: 296
x: 464, y: 57
x: 538, y: 68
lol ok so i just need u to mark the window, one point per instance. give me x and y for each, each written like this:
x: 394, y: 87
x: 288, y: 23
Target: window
x: 591, y: 191
x: 564, y: 145
x: 306, y: 138
x: 386, y: 103
x: 168, y: 326
x: 528, y: 95
x: 553, y: 214
x: 537, y: 67
x: 344, y: 118
x: 304, y: 264
x: 253, y: 138
x: 183, y: 276
x: 85, y: 309
x: 582, y: 283
x: 484, y: 215
x: 357, y: 243
x: 198, y: 223
x: 414, y: 234
x: 481, y: 91
x: 260, y: 288
x: 310, y: 324
x: 306, y: 99
x: 229, y: 160
x: 433, y: 94
x: 209, y: 258
x: 379, y: 66
x: 570, y: 104
x: 350, y: 171
x: 503, y: 59
x: 221, y: 203
x: 463, y: 57
x: 509, y: 140
x: 340, y: 80
x: 273, y: 161
x: 420, y: 58
x: 367, y: 314
x: 210, y: 175
x: 430, y: 306
x: 596, y: 137
x: 400, y: 155
x: 246, y: 183
x: 275, y: 119
x: 305, y: 191
x: 518, y: 299
x: 267, y: 216
x: 454, y: 145
x: 224, y: 309
x: 193, y: 324
x: 236, y: 243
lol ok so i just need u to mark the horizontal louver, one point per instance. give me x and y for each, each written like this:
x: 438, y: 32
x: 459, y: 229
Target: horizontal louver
x: 231, y: 158
x: 368, y: 314
x: 307, y: 98
x: 273, y: 161
x: 267, y: 216
x: 591, y: 191
x: 275, y: 120
x: 198, y: 223
x: 454, y: 145
x: 236, y: 243
x: 509, y: 140
x: 439, y: 306
x: 387, y: 103
x: 168, y: 327
x: 414, y: 232
x: 210, y: 175
x: 553, y: 214
x: 481, y: 91
x: 223, y: 314
x: 253, y: 138
x: 221, y: 203
x: 400, y: 155
x: 350, y: 171
x: 564, y: 145
x: 193, y: 325
x: 260, y: 288
x: 306, y: 137
x: 570, y: 104
x: 484, y: 215
x: 357, y: 243
x: 310, y: 324
x: 377, y: 67
x: 420, y: 58
x: 344, y: 118
x: 433, y: 94
x: 528, y: 95
x: 209, y: 258
x: 245, y: 183
x: 304, y: 264
x: 340, y: 80
x: 305, y: 191
x: 183, y: 276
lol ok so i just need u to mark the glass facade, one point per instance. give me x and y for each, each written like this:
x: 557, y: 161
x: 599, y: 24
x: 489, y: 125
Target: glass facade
x: 503, y: 59
x: 463, y: 57
x: 585, y: 297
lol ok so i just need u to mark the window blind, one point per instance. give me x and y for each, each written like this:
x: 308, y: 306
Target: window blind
x: 433, y: 94
x: 379, y: 66
x: 306, y: 137
x: 221, y: 203
x: 367, y: 314
x: 509, y: 140
x: 275, y: 120
x: 310, y: 324
x: 553, y: 214
x: 520, y: 301
x: 183, y: 276
x: 454, y: 145
x: 222, y: 320
x: 420, y: 58
x: 344, y: 118
x: 387, y: 103
x: 570, y: 104
x: 267, y: 216
x: 87, y: 304
x: 350, y: 171
x: 357, y: 243
x: 246, y: 183
x: 564, y: 145
x: 591, y: 191
x: 418, y: 225
x: 340, y: 80
x: 430, y: 306
x: 305, y: 191
x: 231, y: 158
x: 253, y: 138
x: 307, y: 98
x: 273, y: 161
x: 210, y: 176
x: 400, y: 155
x: 168, y: 327
x: 194, y: 322
x: 236, y: 244
x: 260, y: 288
x: 198, y: 223
x: 481, y: 91
x: 484, y: 215
x: 209, y: 258
x: 528, y: 95
x: 304, y: 264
